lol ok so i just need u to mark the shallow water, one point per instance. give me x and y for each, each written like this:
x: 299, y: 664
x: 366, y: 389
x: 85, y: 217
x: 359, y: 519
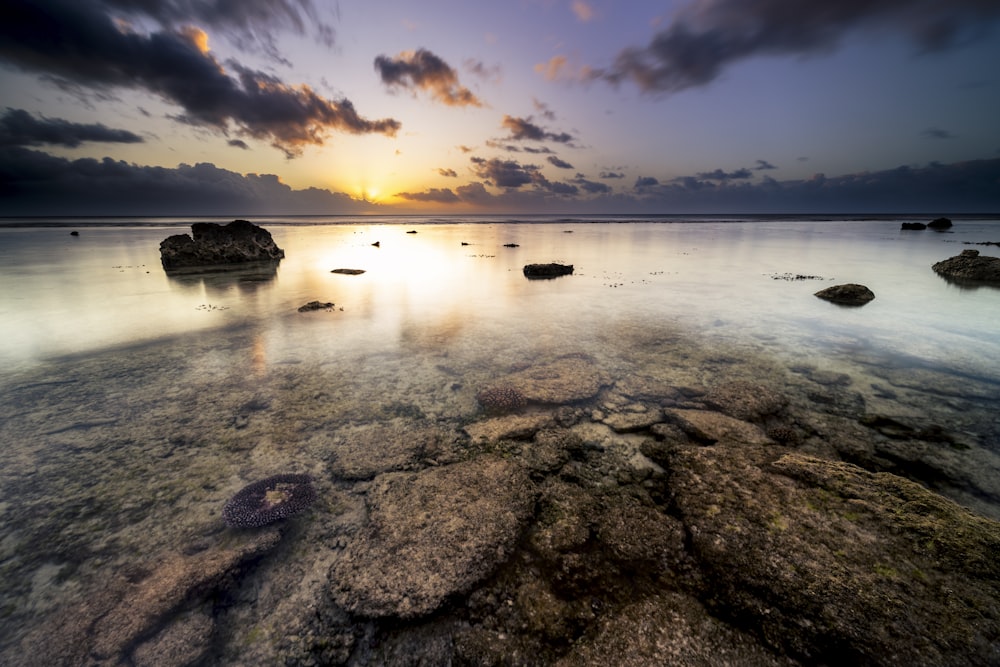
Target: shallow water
x: 135, y: 403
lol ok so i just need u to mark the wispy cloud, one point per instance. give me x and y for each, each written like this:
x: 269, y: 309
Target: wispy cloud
x: 561, y: 164
x: 707, y: 36
x: 450, y: 173
x: 422, y: 70
x: 584, y: 11
x: 434, y: 195
x: 764, y: 165
x: 937, y: 133
x: 20, y: 128
x: 98, y: 52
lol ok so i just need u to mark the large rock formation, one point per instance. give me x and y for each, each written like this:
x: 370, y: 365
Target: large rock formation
x: 970, y: 268
x: 213, y: 244
x: 850, y: 294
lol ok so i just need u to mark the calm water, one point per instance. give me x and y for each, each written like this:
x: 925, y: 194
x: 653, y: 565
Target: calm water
x: 135, y: 403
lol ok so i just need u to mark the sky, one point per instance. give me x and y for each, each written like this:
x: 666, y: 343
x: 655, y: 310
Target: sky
x: 324, y: 107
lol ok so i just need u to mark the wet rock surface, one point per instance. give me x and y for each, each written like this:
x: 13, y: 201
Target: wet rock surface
x: 970, y: 268
x: 210, y: 244
x: 850, y: 294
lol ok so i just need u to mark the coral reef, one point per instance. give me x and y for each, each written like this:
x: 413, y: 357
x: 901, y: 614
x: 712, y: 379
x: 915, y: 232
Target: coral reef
x: 501, y: 399
x: 269, y: 500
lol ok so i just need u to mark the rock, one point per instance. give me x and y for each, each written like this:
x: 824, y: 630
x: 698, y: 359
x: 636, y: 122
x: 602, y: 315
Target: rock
x: 746, y: 401
x: 364, y: 451
x: 513, y: 427
x: 850, y: 294
x: 511, y: 245
x: 565, y: 380
x: 156, y: 603
x: 316, y: 305
x: 970, y: 268
x: 939, y: 223
x: 836, y: 565
x: 535, y: 271
x: 351, y: 272
x: 630, y: 422
x: 213, y: 244
x: 431, y: 536
x: 712, y: 427
x: 74, y: 233
x: 500, y: 399
x: 667, y: 629
x: 913, y: 226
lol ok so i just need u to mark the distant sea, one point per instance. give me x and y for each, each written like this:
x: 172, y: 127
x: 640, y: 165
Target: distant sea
x: 135, y: 402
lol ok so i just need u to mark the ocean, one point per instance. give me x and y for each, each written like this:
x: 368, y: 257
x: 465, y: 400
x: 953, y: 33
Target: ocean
x: 136, y: 402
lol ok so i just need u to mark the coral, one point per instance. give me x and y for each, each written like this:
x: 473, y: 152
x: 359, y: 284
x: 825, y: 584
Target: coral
x: 269, y: 500
x: 501, y: 399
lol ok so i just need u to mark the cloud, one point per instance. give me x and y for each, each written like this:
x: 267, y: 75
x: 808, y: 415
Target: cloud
x: 719, y: 175
x: 543, y: 109
x: 583, y: 10
x: 764, y: 165
x: 450, y: 173
x: 238, y: 143
x: 707, y: 36
x: 611, y: 174
x: 93, y: 50
x: 522, y: 129
x: 937, y: 133
x: 504, y: 173
x: 422, y: 70
x: 248, y: 23
x: 20, y: 128
x: 591, y: 187
x: 646, y: 182
x: 35, y: 183
x: 561, y: 164
x: 554, y: 69
x: 492, y: 73
x: 436, y: 195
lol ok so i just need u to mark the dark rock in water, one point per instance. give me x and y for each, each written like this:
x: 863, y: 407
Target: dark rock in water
x: 349, y: 272
x: 939, y: 223
x: 269, y: 500
x: 511, y: 245
x: 377, y: 244
x: 213, y: 244
x: 412, y: 231
x: 913, y: 226
x: 850, y: 294
x: 547, y: 270
x: 74, y: 233
x: 316, y: 305
x: 970, y: 268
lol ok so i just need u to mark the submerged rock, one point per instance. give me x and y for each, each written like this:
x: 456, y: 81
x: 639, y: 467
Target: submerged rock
x: 316, y: 305
x: 970, y: 268
x: 269, y: 500
x: 913, y: 226
x: 834, y: 564
x: 850, y: 294
x: 432, y: 535
x: 213, y: 244
x: 500, y: 399
x: 534, y: 271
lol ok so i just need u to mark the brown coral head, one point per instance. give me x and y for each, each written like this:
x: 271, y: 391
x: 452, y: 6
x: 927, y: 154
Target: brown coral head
x: 269, y: 500
x: 501, y: 399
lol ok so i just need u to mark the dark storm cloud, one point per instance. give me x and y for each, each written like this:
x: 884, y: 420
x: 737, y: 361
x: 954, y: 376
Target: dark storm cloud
x: 764, y: 165
x: 20, y: 128
x: 435, y: 195
x: 706, y: 37
x: 719, y: 175
x: 422, y: 70
x: 937, y: 133
x: 504, y: 173
x: 246, y: 22
x: 522, y: 129
x: 561, y: 164
x: 79, y: 44
x: 450, y: 173
x: 35, y: 183
x: 591, y: 187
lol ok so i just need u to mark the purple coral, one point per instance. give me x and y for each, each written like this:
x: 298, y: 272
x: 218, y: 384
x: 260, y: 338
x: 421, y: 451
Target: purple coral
x: 269, y: 500
x: 501, y: 399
